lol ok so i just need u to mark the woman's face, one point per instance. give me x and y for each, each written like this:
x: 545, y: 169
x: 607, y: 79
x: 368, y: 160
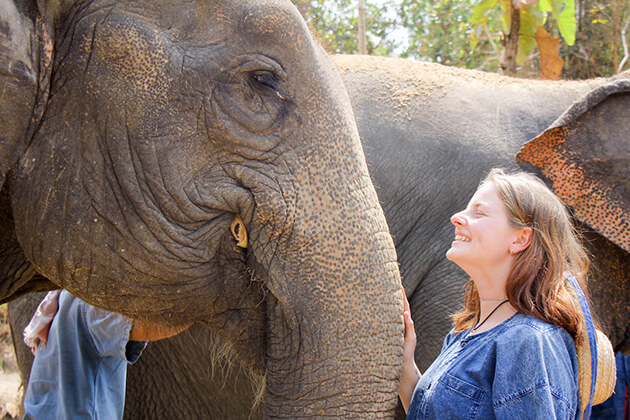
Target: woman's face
x: 483, y: 234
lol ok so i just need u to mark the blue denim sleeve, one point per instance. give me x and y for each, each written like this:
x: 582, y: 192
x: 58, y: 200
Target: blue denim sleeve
x: 109, y: 331
x: 535, y: 375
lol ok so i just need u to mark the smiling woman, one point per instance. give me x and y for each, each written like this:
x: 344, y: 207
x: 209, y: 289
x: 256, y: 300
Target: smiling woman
x: 485, y: 238
x: 511, y: 353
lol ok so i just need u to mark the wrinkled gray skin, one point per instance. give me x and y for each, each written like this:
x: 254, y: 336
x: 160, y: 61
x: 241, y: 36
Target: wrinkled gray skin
x: 430, y: 134
x: 133, y: 133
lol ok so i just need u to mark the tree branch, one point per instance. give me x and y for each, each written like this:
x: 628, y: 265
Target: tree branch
x: 624, y: 42
x: 492, y: 44
x: 362, y: 32
x: 602, y: 10
x: 508, y: 65
x: 616, y: 41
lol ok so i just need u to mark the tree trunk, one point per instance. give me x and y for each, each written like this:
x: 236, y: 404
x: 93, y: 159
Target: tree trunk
x: 616, y: 42
x: 362, y: 35
x: 625, y: 46
x: 508, y: 65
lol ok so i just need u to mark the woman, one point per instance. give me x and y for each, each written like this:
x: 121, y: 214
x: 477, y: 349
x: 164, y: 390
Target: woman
x: 511, y: 354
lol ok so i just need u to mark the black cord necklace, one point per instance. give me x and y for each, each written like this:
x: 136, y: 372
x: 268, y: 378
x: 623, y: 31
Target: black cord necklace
x: 489, y: 315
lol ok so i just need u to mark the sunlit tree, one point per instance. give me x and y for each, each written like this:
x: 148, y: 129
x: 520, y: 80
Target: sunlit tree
x: 336, y: 24
x: 555, y: 38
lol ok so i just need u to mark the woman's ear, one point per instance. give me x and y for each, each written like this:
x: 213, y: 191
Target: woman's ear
x: 522, y: 241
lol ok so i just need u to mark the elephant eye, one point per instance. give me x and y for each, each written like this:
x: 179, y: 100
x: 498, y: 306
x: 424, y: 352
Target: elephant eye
x: 267, y: 81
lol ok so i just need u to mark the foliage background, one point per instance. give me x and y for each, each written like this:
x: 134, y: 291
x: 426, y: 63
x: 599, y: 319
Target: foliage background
x: 441, y: 31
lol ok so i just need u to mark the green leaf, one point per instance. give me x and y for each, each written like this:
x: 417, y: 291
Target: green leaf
x: 531, y: 19
x: 482, y: 11
x: 544, y: 6
x: 525, y: 46
x: 564, y: 14
x: 506, y: 6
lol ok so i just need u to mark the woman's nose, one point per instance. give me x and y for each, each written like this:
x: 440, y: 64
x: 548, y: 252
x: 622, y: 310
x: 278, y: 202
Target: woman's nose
x: 458, y: 219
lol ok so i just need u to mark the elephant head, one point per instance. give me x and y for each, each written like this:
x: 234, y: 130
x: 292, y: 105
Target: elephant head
x: 584, y: 154
x: 140, y: 137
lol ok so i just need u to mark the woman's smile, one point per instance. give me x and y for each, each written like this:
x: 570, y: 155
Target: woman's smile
x: 485, y: 229
x: 459, y: 237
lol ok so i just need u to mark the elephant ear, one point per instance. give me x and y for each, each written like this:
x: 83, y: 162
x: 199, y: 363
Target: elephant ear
x: 586, y: 156
x: 26, y: 47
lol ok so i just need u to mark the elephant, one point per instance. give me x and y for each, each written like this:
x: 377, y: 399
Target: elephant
x: 198, y: 162
x: 430, y: 133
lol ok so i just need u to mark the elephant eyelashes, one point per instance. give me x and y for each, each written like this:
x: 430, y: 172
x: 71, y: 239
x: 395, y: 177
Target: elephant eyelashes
x: 267, y: 81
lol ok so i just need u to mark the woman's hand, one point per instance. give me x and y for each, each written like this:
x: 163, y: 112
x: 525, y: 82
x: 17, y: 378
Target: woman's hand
x: 410, y: 372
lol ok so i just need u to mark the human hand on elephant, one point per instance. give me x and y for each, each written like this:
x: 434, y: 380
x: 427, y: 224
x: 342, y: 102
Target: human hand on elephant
x: 410, y: 372
x: 36, y: 331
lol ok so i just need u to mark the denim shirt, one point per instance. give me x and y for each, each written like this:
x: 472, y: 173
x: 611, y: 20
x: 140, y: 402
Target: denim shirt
x: 81, y: 372
x: 523, y: 368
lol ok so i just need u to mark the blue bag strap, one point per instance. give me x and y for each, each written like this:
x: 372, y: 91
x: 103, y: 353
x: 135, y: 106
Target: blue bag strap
x: 590, y: 328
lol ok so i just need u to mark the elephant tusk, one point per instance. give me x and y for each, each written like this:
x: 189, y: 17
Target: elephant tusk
x: 239, y: 232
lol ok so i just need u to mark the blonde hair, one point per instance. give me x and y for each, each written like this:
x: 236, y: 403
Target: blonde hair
x: 535, y: 284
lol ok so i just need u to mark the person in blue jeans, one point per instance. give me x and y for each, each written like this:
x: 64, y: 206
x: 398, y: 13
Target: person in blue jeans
x: 511, y: 353
x: 80, y: 365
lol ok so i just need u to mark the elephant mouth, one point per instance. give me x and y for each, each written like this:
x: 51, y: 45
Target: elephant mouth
x: 239, y: 321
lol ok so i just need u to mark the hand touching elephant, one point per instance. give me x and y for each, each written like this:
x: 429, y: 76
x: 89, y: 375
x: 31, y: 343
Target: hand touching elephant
x: 137, y: 135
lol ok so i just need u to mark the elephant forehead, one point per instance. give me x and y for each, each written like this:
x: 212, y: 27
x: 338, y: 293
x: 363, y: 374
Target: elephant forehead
x: 268, y: 18
x: 131, y: 51
x: 277, y: 21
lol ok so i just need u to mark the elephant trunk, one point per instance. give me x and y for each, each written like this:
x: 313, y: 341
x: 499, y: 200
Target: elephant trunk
x: 334, y: 343
x: 341, y: 366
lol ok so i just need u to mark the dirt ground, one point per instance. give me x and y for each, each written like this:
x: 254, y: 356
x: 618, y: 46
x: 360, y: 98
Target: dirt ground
x: 9, y: 377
